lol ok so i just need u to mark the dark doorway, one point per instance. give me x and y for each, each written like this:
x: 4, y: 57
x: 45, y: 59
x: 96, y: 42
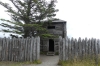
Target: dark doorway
x: 51, y: 45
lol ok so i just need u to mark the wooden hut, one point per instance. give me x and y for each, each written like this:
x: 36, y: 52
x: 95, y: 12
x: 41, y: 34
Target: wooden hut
x: 57, y: 28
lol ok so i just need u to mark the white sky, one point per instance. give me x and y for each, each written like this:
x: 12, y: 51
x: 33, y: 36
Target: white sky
x: 82, y: 16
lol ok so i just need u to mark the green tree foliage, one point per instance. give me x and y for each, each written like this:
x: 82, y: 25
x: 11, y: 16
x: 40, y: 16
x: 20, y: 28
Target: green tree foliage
x: 29, y: 16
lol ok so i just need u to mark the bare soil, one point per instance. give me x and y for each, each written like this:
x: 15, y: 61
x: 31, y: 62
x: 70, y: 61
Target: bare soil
x: 46, y: 61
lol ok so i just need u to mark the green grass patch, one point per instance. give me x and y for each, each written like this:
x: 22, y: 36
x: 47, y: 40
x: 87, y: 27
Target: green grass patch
x: 77, y: 63
x: 81, y: 62
x: 8, y: 63
x: 37, y: 62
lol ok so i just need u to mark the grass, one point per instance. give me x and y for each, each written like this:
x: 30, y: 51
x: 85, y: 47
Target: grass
x: 3, y: 63
x: 78, y: 62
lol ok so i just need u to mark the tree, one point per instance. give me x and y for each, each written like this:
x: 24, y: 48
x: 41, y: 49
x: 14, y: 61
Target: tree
x: 29, y: 16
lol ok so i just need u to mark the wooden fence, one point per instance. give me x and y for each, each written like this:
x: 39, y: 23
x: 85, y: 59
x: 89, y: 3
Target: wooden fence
x: 20, y: 49
x: 73, y: 48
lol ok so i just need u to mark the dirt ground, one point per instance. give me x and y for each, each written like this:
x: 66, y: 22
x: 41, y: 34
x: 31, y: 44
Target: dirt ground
x: 46, y: 61
x: 49, y: 60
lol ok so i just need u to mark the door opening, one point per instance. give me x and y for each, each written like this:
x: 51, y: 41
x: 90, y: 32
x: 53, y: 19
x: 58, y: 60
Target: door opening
x: 51, y: 45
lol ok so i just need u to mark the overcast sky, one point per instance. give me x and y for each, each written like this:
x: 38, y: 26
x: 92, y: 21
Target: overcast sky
x: 82, y: 16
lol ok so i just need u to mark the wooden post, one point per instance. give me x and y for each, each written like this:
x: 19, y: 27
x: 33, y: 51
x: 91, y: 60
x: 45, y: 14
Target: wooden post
x: 31, y: 49
x: 76, y: 49
x: 38, y: 48
x: 27, y: 40
x: 96, y: 52
x: 80, y: 47
x: 98, y: 45
x: 69, y: 49
x: 86, y: 47
x: 93, y: 48
x: 25, y: 50
x: 34, y: 50
x: 89, y: 48
x: 66, y: 48
x: 0, y: 49
x: 63, y: 49
x: 60, y: 48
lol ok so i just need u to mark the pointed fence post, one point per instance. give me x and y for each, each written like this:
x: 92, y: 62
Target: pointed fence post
x: 38, y: 48
x: 31, y: 49
x: 63, y: 49
x: 76, y: 49
x: 66, y: 48
x: 60, y: 48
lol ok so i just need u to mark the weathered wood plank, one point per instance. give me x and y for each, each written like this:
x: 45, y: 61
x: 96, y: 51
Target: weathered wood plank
x: 76, y: 49
x: 25, y: 49
x: 71, y: 48
x: 34, y: 51
x: 86, y: 45
x: 18, y: 49
x: 60, y: 49
x: 0, y: 49
x: 38, y: 48
x: 64, y: 49
x: 31, y: 44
